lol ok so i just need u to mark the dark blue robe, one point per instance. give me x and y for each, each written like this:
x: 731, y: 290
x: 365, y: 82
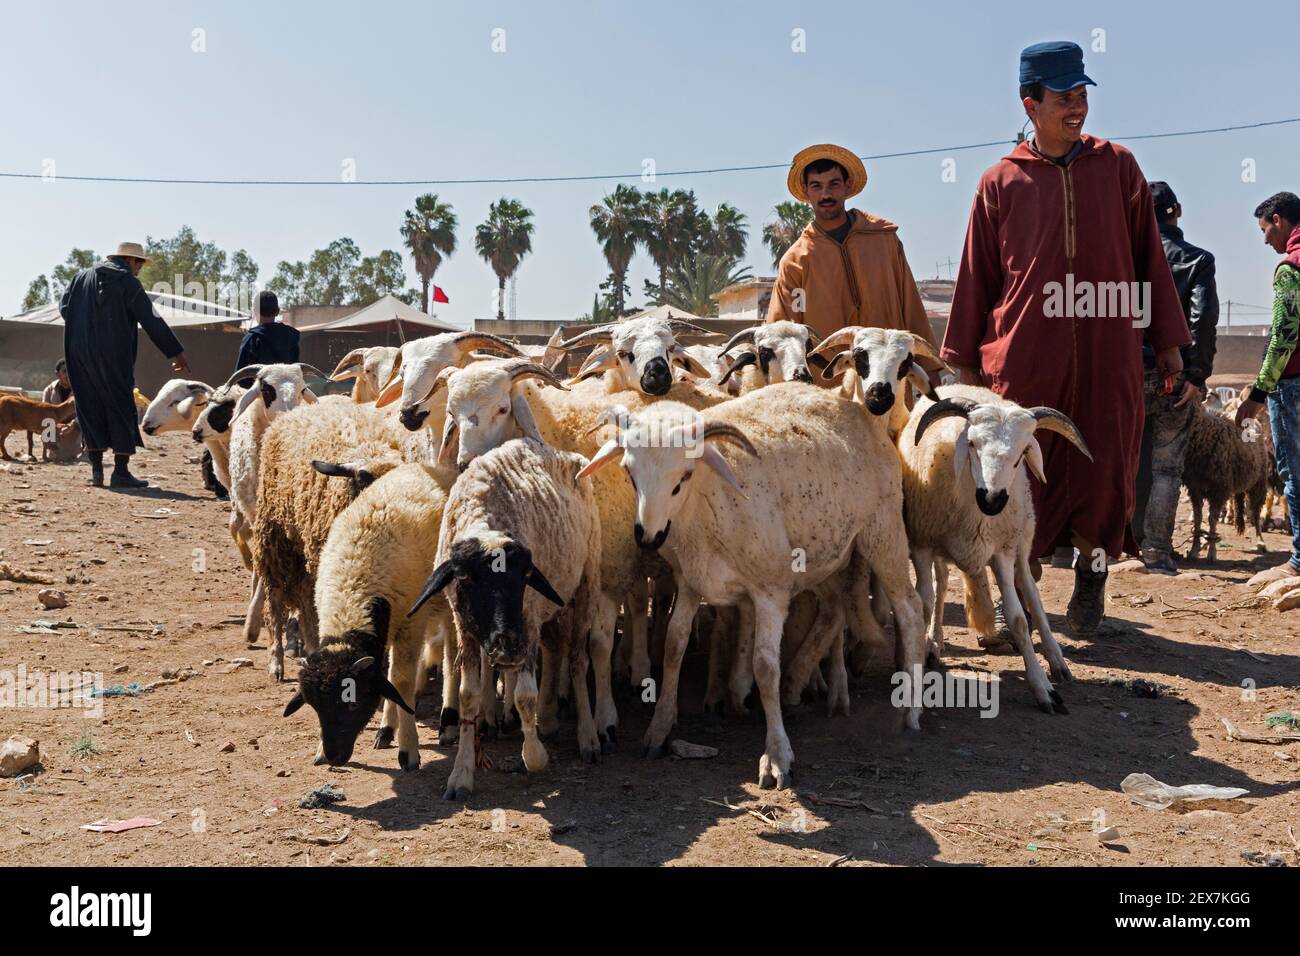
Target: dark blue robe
x: 272, y: 343
x: 101, y: 309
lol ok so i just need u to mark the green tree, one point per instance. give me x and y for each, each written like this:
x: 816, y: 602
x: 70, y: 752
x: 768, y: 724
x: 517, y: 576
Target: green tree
x: 38, y: 294
x: 620, y: 226
x: 329, y: 272
x: 600, y: 314
x: 670, y: 227
x: 289, y: 283
x: 375, y: 277
x: 430, y: 234
x: 725, y: 234
x: 503, y: 241
x: 693, y: 285
x: 44, y: 290
x: 183, y: 264
x: 782, y: 233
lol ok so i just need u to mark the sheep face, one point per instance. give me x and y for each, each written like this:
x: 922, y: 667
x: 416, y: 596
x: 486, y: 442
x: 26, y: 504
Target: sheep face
x: 660, y: 450
x: 779, y: 350
x: 486, y: 407
x: 217, y: 415
x: 640, y: 354
x: 882, y: 359
x: 371, y: 367
x: 491, y: 575
x: 344, y: 683
x: 997, y: 437
x: 176, y: 407
x: 280, y: 388
x: 420, y: 362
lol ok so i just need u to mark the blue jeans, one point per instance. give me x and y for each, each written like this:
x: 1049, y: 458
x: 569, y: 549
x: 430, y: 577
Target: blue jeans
x: 1284, y: 415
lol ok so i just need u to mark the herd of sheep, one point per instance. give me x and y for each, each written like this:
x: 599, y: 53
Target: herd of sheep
x: 468, y: 509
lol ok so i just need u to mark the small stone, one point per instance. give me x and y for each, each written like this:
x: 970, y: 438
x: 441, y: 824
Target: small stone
x: 688, y: 751
x: 228, y: 747
x: 121, y: 668
x: 51, y: 599
x: 17, y: 754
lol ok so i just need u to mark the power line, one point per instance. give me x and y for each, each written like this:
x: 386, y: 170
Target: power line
x: 592, y: 178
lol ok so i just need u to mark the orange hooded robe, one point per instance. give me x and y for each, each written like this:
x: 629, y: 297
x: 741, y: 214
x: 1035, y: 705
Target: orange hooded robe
x: 863, y: 281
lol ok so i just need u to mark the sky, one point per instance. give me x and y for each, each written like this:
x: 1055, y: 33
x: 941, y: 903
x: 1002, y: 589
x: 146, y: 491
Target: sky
x: 424, y: 91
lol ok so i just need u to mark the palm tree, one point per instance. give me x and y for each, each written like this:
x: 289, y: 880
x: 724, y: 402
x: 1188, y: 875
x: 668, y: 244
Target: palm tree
x: 670, y: 224
x: 692, y: 285
x: 726, y: 234
x: 503, y: 241
x: 430, y: 234
x: 620, y: 227
x: 791, y: 219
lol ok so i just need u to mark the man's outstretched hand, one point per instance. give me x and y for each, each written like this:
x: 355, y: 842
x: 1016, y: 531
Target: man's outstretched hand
x: 180, y: 364
x: 1246, y: 411
x: 1169, y: 362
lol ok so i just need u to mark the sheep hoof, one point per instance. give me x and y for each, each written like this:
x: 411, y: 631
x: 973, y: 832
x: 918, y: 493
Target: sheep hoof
x: 609, y: 740
x: 1062, y: 674
x: 318, y: 760
x: 456, y: 794
x: 408, y: 760
x: 591, y: 755
x: 384, y: 738
x: 1058, y: 704
x: 655, y: 751
x: 771, y: 776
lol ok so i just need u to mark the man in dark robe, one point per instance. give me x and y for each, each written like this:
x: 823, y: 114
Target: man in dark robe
x: 269, y: 342
x: 1062, y: 278
x: 101, y: 309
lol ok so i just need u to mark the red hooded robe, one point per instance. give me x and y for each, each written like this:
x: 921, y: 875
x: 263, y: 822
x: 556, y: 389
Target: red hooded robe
x: 1045, y: 247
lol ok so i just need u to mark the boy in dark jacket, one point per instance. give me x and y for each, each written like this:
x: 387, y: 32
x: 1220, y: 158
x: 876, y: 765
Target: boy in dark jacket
x: 269, y: 342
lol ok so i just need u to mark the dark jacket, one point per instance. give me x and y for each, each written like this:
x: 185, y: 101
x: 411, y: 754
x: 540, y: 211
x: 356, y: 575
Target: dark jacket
x: 101, y: 309
x: 271, y: 344
x: 1193, y: 270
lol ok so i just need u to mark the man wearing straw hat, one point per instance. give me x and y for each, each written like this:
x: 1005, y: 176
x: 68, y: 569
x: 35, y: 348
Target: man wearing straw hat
x: 848, y: 266
x: 101, y: 309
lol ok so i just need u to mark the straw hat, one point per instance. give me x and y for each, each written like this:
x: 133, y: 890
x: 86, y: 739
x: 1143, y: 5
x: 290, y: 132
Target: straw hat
x: 857, y: 172
x: 132, y: 250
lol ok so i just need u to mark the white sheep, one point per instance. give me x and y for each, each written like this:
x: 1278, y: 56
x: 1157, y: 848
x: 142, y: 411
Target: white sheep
x: 376, y: 559
x: 639, y: 353
x: 520, y: 540
x: 418, y: 364
x: 776, y: 352
x: 370, y: 367
x: 968, y: 501
x: 176, y: 406
x: 814, y: 487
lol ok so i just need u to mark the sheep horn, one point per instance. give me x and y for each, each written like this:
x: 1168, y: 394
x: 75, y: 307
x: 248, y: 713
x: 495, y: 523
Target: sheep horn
x: 743, y: 337
x: 308, y: 367
x: 743, y: 359
x: 1054, y: 421
x: 944, y: 408
x: 837, y: 339
x: 680, y: 327
x: 816, y: 339
x: 921, y: 347
x: 518, y: 370
x: 248, y: 371
x: 439, y: 381
x: 721, y: 431
x: 553, y: 357
x: 602, y: 333
x: 350, y: 363
x: 468, y: 341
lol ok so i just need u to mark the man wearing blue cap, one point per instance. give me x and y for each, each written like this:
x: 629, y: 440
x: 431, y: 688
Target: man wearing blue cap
x: 1063, y: 277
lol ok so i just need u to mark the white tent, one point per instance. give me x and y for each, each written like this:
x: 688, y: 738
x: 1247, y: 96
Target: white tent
x: 379, y: 314
x: 664, y: 312
x: 177, y: 311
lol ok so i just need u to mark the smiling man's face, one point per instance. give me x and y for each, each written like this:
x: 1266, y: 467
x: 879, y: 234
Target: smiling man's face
x: 826, y: 192
x: 1059, y: 117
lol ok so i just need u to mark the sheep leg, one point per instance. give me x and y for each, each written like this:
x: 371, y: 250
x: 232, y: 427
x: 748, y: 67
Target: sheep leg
x: 406, y: 675
x: 449, y: 718
x: 925, y: 563
x: 489, y: 710
x: 1211, y: 549
x: 604, y: 612
x: 679, y: 632
x: 253, y: 616
x: 461, y: 782
x: 1048, y: 699
x: 741, y: 680
x: 719, y: 646
x: 525, y: 698
x: 887, y: 557
x: 867, y: 634
x: 599, y: 650
x: 1028, y: 590
x: 1195, y: 550
x: 637, y: 614
x: 776, y: 766
x: 837, y: 701
x: 509, y: 710
x: 811, y: 652
x: 548, y: 710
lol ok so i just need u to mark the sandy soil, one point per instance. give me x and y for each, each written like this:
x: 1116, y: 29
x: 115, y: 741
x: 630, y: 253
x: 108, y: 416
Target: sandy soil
x: 213, y: 760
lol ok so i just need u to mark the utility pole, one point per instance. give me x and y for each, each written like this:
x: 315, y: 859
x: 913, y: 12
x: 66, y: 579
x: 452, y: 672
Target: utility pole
x: 1229, y: 313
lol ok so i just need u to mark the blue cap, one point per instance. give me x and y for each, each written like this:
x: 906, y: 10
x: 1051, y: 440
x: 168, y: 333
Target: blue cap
x: 1057, y: 65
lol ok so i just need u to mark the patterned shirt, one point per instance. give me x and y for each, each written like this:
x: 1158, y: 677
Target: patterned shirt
x: 1285, y: 333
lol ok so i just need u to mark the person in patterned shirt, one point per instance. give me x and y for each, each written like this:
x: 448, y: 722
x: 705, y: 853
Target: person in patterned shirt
x: 1278, y: 383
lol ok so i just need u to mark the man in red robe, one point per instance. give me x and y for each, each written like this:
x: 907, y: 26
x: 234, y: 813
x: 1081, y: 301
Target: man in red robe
x: 1062, y: 277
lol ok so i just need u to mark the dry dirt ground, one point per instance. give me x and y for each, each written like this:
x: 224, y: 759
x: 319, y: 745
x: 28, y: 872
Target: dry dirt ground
x: 213, y: 760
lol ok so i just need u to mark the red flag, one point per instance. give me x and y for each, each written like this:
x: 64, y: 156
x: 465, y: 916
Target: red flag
x: 439, y: 295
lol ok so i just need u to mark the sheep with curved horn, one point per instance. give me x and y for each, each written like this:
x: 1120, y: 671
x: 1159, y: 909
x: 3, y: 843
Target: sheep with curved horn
x: 968, y: 502
x: 371, y: 368
x: 640, y: 353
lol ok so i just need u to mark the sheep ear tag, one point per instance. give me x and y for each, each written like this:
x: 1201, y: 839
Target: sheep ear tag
x: 438, y: 580
x: 537, y: 581
x: 296, y: 701
x: 389, y: 692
